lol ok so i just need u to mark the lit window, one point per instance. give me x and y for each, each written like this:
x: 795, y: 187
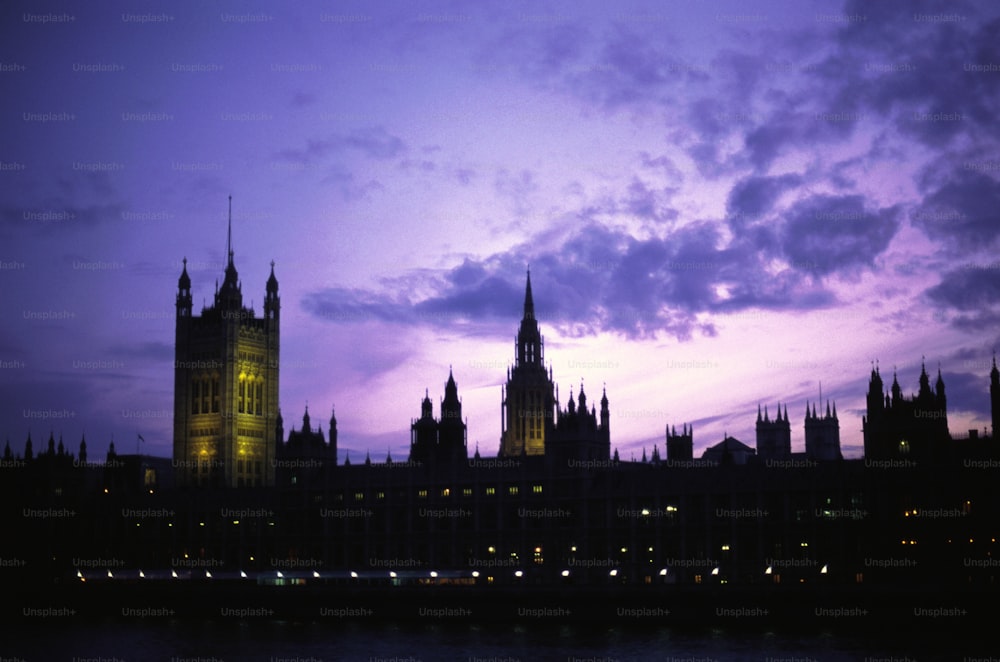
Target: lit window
x: 422, y: 494
x: 490, y: 491
x: 466, y: 491
x: 512, y: 490
x: 537, y: 489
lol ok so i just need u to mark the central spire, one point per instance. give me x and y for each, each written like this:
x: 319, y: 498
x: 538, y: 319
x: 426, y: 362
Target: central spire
x: 529, y: 303
x: 230, y: 297
x: 229, y: 232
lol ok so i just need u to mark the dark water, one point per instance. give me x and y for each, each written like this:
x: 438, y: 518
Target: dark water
x: 300, y: 642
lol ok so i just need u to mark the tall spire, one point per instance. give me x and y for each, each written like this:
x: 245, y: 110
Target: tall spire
x: 229, y: 296
x: 229, y: 232
x: 529, y: 302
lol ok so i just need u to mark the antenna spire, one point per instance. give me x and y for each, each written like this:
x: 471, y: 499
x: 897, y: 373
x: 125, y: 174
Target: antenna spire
x: 229, y: 233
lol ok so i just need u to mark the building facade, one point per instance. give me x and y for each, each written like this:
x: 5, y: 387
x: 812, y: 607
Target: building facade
x: 226, y: 384
x: 897, y: 428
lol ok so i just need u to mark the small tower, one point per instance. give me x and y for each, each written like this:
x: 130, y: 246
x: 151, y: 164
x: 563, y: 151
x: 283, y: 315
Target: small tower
x: 423, y: 433
x: 452, y: 429
x: 680, y: 447
x: 774, y: 438
x: 822, y: 434
x: 333, y: 436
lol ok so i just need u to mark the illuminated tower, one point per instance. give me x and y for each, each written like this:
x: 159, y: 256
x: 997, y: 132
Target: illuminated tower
x: 226, y: 384
x: 528, y: 402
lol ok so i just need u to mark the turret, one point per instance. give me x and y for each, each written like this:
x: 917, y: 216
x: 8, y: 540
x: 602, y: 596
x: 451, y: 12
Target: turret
x: 272, y: 304
x: 184, y: 292
x: 939, y: 396
x: 605, y: 413
x: 279, y: 430
x: 925, y: 383
x: 333, y: 436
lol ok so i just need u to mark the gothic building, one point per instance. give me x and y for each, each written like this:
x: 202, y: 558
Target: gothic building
x: 680, y: 447
x: 226, y: 384
x: 774, y: 438
x: 822, y: 434
x: 528, y: 401
x: 444, y: 442
x: 304, y: 458
x: 533, y: 423
x: 900, y: 428
x: 578, y: 435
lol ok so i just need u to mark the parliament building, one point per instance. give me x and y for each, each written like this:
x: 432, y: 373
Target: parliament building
x: 553, y: 507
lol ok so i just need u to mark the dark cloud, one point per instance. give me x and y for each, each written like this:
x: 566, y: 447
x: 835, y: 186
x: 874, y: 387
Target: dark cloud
x: 825, y: 234
x: 972, y: 288
x: 596, y: 279
x: 920, y: 73
x: 752, y: 198
x: 964, y: 211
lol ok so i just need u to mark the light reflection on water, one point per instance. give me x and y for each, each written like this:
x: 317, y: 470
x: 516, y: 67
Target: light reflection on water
x: 276, y: 641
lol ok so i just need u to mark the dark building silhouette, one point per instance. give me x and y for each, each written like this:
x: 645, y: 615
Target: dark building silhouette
x: 444, y: 442
x: 822, y: 434
x: 783, y: 527
x: 579, y: 435
x: 774, y: 438
x: 226, y: 384
x: 680, y: 447
x: 901, y: 428
x: 729, y: 451
x: 305, y: 457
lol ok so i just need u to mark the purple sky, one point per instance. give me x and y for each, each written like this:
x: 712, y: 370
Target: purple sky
x: 722, y: 204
